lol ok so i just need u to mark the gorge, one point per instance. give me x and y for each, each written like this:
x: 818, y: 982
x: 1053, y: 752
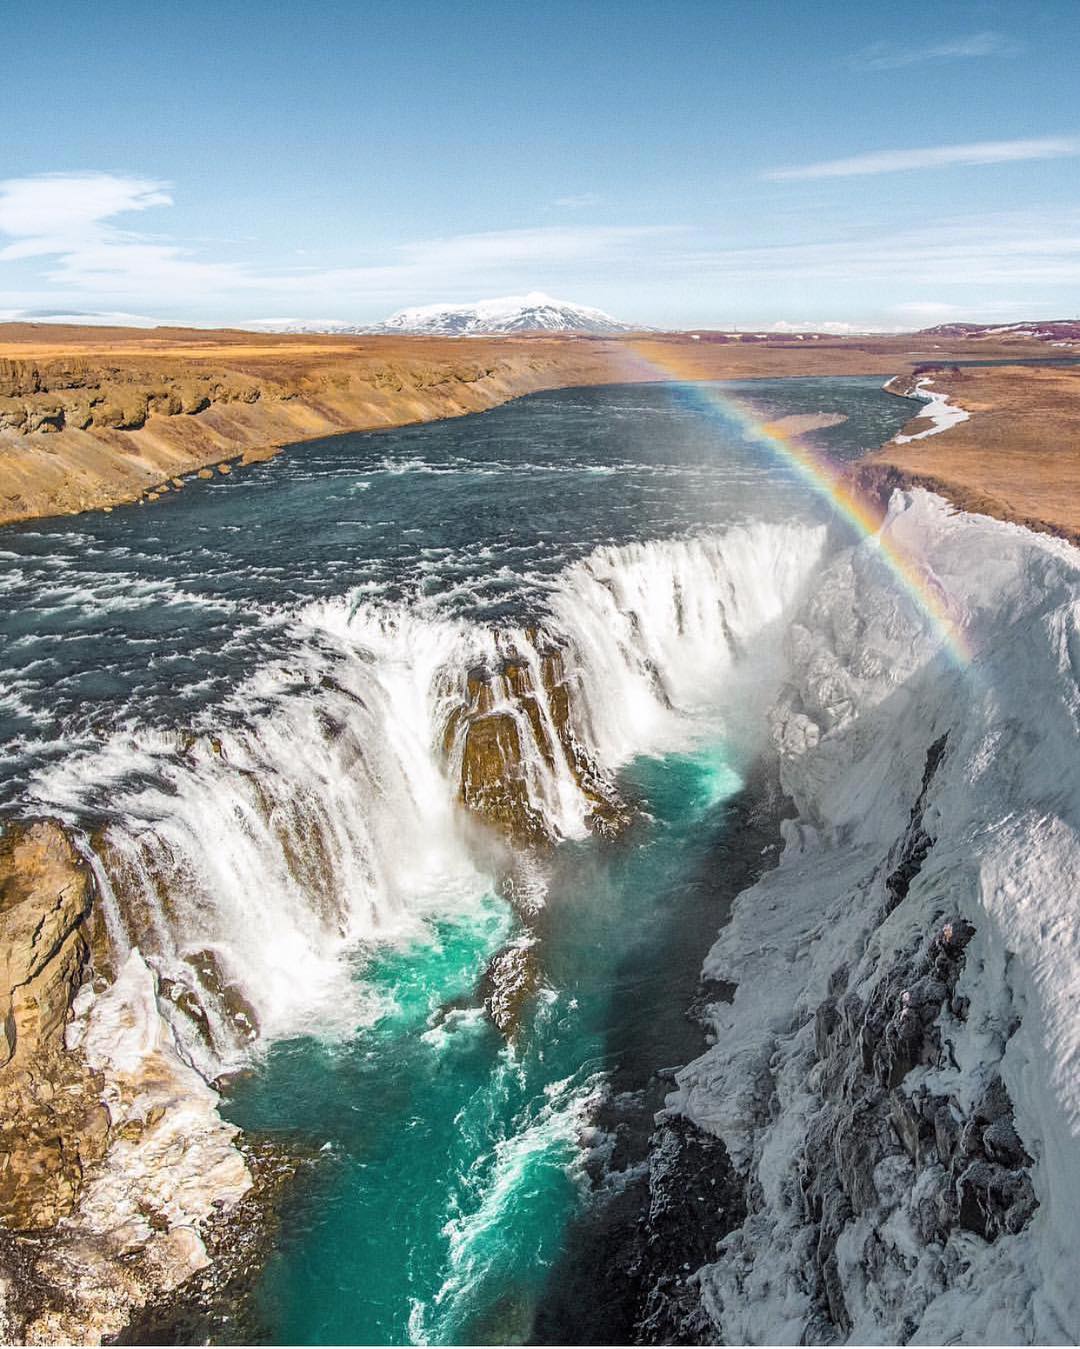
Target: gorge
x: 399, y: 788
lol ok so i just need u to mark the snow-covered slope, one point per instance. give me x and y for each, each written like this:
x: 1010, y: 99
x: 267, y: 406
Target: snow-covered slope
x: 530, y: 313
x: 897, y: 1080
x: 534, y: 312
x: 1058, y: 332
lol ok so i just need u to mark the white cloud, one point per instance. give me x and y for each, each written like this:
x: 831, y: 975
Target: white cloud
x: 70, y: 221
x: 933, y: 157
x: 892, y: 56
x: 66, y: 251
x: 834, y: 327
x: 1008, y: 249
x: 59, y: 212
x: 582, y: 199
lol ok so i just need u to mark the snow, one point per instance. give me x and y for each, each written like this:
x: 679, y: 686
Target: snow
x: 939, y: 410
x: 870, y: 688
x: 508, y: 313
x: 171, y: 1164
x: 534, y: 312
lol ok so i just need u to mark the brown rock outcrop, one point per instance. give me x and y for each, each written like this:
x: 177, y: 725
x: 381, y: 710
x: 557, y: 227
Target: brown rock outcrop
x: 493, y: 781
x: 54, y: 1125
x: 118, y: 1178
x: 510, y: 717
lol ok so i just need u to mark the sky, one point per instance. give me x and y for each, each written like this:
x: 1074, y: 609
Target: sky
x: 699, y: 163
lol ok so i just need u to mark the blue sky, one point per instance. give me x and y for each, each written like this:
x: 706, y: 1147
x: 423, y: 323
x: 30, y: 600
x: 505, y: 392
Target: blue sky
x: 687, y: 164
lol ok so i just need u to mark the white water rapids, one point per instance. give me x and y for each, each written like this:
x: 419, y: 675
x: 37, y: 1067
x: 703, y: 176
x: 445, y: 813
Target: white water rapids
x: 247, y: 855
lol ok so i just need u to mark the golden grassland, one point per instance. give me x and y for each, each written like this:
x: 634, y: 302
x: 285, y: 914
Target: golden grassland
x: 1017, y: 457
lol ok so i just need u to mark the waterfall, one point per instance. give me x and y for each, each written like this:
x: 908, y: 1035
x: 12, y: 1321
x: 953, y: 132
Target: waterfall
x: 351, y: 789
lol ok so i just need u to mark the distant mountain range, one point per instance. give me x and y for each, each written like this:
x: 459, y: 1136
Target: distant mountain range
x: 532, y: 313
x: 1063, y: 332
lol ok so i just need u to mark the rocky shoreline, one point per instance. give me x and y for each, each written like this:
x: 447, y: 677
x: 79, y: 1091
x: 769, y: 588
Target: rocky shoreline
x: 1013, y: 458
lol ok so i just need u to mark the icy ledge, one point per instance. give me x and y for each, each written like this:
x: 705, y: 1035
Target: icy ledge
x: 898, y: 1078
x: 939, y: 411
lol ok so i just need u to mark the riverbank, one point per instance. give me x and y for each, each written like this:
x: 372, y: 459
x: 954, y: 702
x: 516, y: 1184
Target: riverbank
x: 94, y: 418
x: 1015, y: 457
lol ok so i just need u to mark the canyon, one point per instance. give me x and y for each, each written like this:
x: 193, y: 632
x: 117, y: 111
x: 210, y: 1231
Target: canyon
x: 884, y: 1110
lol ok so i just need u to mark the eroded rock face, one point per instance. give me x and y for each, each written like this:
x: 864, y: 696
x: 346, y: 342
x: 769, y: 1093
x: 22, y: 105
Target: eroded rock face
x: 53, y: 1125
x: 53, y: 398
x: 897, y: 1158
x: 493, y: 777
x: 113, y: 1158
x: 515, y: 735
x: 509, y: 982
x: 878, y: 1137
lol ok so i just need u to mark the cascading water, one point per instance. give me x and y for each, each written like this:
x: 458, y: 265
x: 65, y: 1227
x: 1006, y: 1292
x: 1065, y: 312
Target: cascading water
x: 322, y: 807
x: 344, y: 739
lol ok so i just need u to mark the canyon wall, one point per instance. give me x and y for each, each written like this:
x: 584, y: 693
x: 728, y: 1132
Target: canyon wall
x: 87, y: 431
x: 894, y: 1081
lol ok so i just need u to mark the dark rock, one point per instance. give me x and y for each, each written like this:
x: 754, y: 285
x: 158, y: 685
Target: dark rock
x: 992, y: 1199
x: 510, y: 980
x: 916, y: 843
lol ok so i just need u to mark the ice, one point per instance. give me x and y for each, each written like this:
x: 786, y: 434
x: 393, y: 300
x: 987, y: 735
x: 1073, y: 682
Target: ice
x: 940, y: 411
x: 1003, y: 813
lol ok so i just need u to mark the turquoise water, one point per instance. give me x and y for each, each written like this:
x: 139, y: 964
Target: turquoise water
x: 453, y: 1161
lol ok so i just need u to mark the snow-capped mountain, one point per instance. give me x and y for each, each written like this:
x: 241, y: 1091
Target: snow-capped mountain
x: 534, y: 312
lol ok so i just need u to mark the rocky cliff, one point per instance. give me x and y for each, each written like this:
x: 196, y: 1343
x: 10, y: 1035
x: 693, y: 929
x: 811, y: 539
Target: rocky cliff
x: 894, y: 1081
x: 113, y: 1161
x: 83, y: 432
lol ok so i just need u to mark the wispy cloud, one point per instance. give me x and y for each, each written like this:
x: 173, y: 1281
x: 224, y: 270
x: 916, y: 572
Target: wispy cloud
x: 933, y: 157
x: 893, y: 56
x: 66, y: 248
x: 1008, y: 249
x: 579, y: 201
x: 56, y: 212
x: 71, y: 222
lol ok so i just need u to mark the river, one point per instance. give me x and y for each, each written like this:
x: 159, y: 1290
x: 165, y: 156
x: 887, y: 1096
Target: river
x: 238, y: 697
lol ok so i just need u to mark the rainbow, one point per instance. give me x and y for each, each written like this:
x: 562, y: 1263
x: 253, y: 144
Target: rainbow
x: 828, y: 482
